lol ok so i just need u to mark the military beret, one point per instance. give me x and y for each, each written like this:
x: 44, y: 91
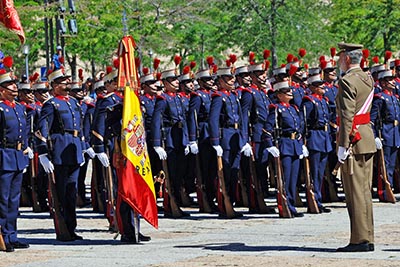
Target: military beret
x: 347, y: 47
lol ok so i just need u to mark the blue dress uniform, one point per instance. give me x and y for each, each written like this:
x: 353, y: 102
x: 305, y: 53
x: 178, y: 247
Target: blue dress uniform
x: 298, y: 94
x: 318, y: 139
x: 147, y: 103
x: 199, y: 108
x: 13, y: 141
x: 61, y: 121
x: 290, y: 144
x: 169, y: 125
x: 87, y: 115
x: 385, y: 116
x: 226, y: 128
x: 254, y: 103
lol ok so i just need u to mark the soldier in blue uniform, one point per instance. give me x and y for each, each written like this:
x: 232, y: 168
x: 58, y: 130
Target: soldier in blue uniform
x: 61, y: 121
x: 255, y: 102
x: 14, y: 153
x: 226, y: 126
x: 150, y: 88
x: 385, y: 116
x: 170, y: 134
x: 87, y: 108
x: 199, y: 133
x: 318, y: 136
x: 291, y: 148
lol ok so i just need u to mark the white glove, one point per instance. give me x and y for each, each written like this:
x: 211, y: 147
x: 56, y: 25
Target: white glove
x: 219, y: 150
x: 46, y: 163
x: 90, y: 152
x: 274, y: 151
x: 83, y: 159
x: 103, y: 159
x: 342, y: 154
x: 161, y: 152
x: 193, y: 147
x: 247, y: 150
x: 378, y: 143
x: 29, y: 151
x: 187, y: 150
x: 305, y: 151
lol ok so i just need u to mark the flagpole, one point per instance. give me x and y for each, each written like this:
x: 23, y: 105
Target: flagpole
x: 124, y: 22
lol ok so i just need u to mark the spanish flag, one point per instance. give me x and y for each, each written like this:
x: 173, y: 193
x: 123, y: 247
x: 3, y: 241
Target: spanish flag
x: 10, y: 19
x: 136, y: 184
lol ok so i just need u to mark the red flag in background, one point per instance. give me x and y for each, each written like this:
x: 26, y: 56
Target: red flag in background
x: 10, y: 19
x: 135, y: 186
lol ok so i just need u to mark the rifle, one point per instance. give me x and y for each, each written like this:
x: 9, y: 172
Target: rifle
x: 33, y: 173
x: 383, y: 175
x: 2, y: 244
x: 204, y: 205
x: 61, y: 228
x: 170, y: 205
x: 283, y: 207
x: 97, y: 192
x: 312, y: 204
x: 111, y: 213
x: 224, y: 202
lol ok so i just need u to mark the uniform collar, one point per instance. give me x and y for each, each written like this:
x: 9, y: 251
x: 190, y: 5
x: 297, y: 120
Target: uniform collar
x: 119, y: 94
x: 9, y: 103
x: 387, y: 92
x: 61, y: 97
x: 284, y: 104
x: 317, y: 96
x: 171, y: 94
x: 225, y: 91
x: 149, y: 96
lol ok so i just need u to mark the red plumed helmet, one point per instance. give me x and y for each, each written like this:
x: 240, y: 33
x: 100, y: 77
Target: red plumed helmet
x: 116, y: 63
x: 375, y: 59
x: 3, y: 71
x: 215, y: 68
x: 156, y: 63
x: 388, y: 54
x: 108, y: 69
x: 333, y: 51
x: 192, y: 64
x: 267, y: 64
x: 365, y: 53
x: 397, y: 62
x: 295, y: 59
x: 289, y: 58
x: 302, y: 52
x: 228, y: 62
x: 145, y: 71
x: 322, y: 58
x: 158, y: 75
x: 186, y: 70
x: 283, y: 65
x: 292, y: 70
x: 306, y: 66
x: 80, y: 74
x: 210, y: 60
x: 34, y: 77
x: 323, y: 64
x: 8, y: 61
x: 232, y: 58
x: 177, y: 60
x: 251, y: 56
x: 266, y: 53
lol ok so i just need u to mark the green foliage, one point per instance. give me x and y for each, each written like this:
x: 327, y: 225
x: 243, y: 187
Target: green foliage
x: 197, y: 29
